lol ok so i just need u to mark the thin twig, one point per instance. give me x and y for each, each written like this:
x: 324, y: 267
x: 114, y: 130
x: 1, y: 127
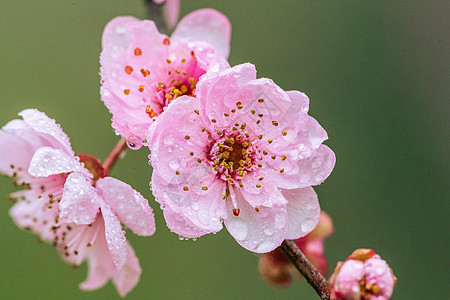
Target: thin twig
x: 114, y: 156
x: 155, y: 13
x: 298, y: 259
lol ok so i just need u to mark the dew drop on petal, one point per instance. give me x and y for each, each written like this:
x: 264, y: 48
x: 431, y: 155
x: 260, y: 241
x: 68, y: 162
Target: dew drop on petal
x: 134, y: 143
x: 174, y: 164
x: 266, y: 246
x: 268, y: 231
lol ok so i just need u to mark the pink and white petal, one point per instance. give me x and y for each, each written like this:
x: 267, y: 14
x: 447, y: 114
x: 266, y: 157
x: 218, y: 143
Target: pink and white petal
x: 303, y: 211
x: 261, y: 231
x: 120, y: 39
x: 269, y: 195
x: 47, y: 128
x: 299, y: 100
x: 116, y: 33
x: 34, y: 214
x: 172, y: 12
x: 49, y: 161
x: 218, y: 93
x: 129, y: 205
x: 80, y: 202
x: 128, y: 277
x: 201, y: 208
x: 100, y: 265
x: 16, y: 155
x: 207, y: 25
x: 115, y: 236
x: 314, y: 170
x: 178, y: 224
x: 179, y: 133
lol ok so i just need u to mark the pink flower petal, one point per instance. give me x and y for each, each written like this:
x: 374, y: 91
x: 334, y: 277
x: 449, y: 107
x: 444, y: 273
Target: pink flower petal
x: 128, y: 277
x: 120, y: 39
x: 258, y: 231
x: 201, y: 208
x: 80, y: 201
x: 49, y: 161
x: 172, y: 12
x: 130, y: 206
x: 314, y: 170
x: 178, y: 224
x: 115, y: 236
x: 47, y: 128
x: 102, y: 268
x: 17, y: 160
x: 303, y: 210
x: 207, y: 25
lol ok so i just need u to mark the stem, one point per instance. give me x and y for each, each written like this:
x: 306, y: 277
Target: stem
x: 114, y: 156
x: 155, y: 13
x: 298, y: 259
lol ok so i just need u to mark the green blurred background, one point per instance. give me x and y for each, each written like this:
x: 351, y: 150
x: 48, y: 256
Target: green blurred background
x: 378, y: 76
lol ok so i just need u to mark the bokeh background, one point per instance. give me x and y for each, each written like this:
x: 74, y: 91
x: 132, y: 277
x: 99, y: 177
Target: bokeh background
x: 378, y: 76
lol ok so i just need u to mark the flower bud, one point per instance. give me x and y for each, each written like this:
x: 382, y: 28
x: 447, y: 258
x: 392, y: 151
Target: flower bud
x: 364, y: 275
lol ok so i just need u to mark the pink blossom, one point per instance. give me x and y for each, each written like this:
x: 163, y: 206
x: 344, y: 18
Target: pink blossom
x: 244, y: 153
x: 68, y: 201
x: 143, y: 70
x: 364, y: 275
x: 277, y: 270
x: 172, y: 10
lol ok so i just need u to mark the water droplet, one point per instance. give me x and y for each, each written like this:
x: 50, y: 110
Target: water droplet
x: 174, y: 164
x: 134, y: 143
x: 266, y: 246
x: 268, y: 231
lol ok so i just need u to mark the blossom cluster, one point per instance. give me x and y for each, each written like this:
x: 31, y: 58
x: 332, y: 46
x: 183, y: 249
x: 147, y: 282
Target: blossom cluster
x: 226, y: 149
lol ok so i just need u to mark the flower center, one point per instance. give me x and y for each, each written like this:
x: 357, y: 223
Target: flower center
x: 233, y: 156
x: 93, y: 165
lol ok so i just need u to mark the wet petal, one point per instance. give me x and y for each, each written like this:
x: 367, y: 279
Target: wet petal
x: 258, y: 231
x: 129, y: 205
x: 303, y: 211
x: 207, y: 25
x: 115, y: 236
x: 49, y: 161
x: 47, y: 128
x: 80, y: 201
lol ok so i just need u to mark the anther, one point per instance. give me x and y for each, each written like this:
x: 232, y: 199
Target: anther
x: 128, y: 69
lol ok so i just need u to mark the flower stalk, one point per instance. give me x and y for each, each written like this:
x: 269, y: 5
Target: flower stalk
x: 114, y: 156
x: 312, y: 275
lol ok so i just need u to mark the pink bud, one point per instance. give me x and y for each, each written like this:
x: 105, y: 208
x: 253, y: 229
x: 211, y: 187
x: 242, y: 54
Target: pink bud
x: 364, y: 275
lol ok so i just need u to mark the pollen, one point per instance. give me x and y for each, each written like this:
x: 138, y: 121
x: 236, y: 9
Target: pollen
x: 145, y: 72
x: 236, y: 211
x: 126, y: 92
x: 141, y: 88
x: 187, y: 137
x: 166, y: 41
x: 185, y: 188
x: 150, y: 112
x: 138, y: 52
x: 260, y: 100
x: 205, y: 188
x: 128, y: 69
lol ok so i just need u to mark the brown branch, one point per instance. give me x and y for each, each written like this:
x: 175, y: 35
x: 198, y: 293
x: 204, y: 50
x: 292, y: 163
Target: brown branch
x: 114, y: 156
x: 155, y: 13
x: 298, y: 259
